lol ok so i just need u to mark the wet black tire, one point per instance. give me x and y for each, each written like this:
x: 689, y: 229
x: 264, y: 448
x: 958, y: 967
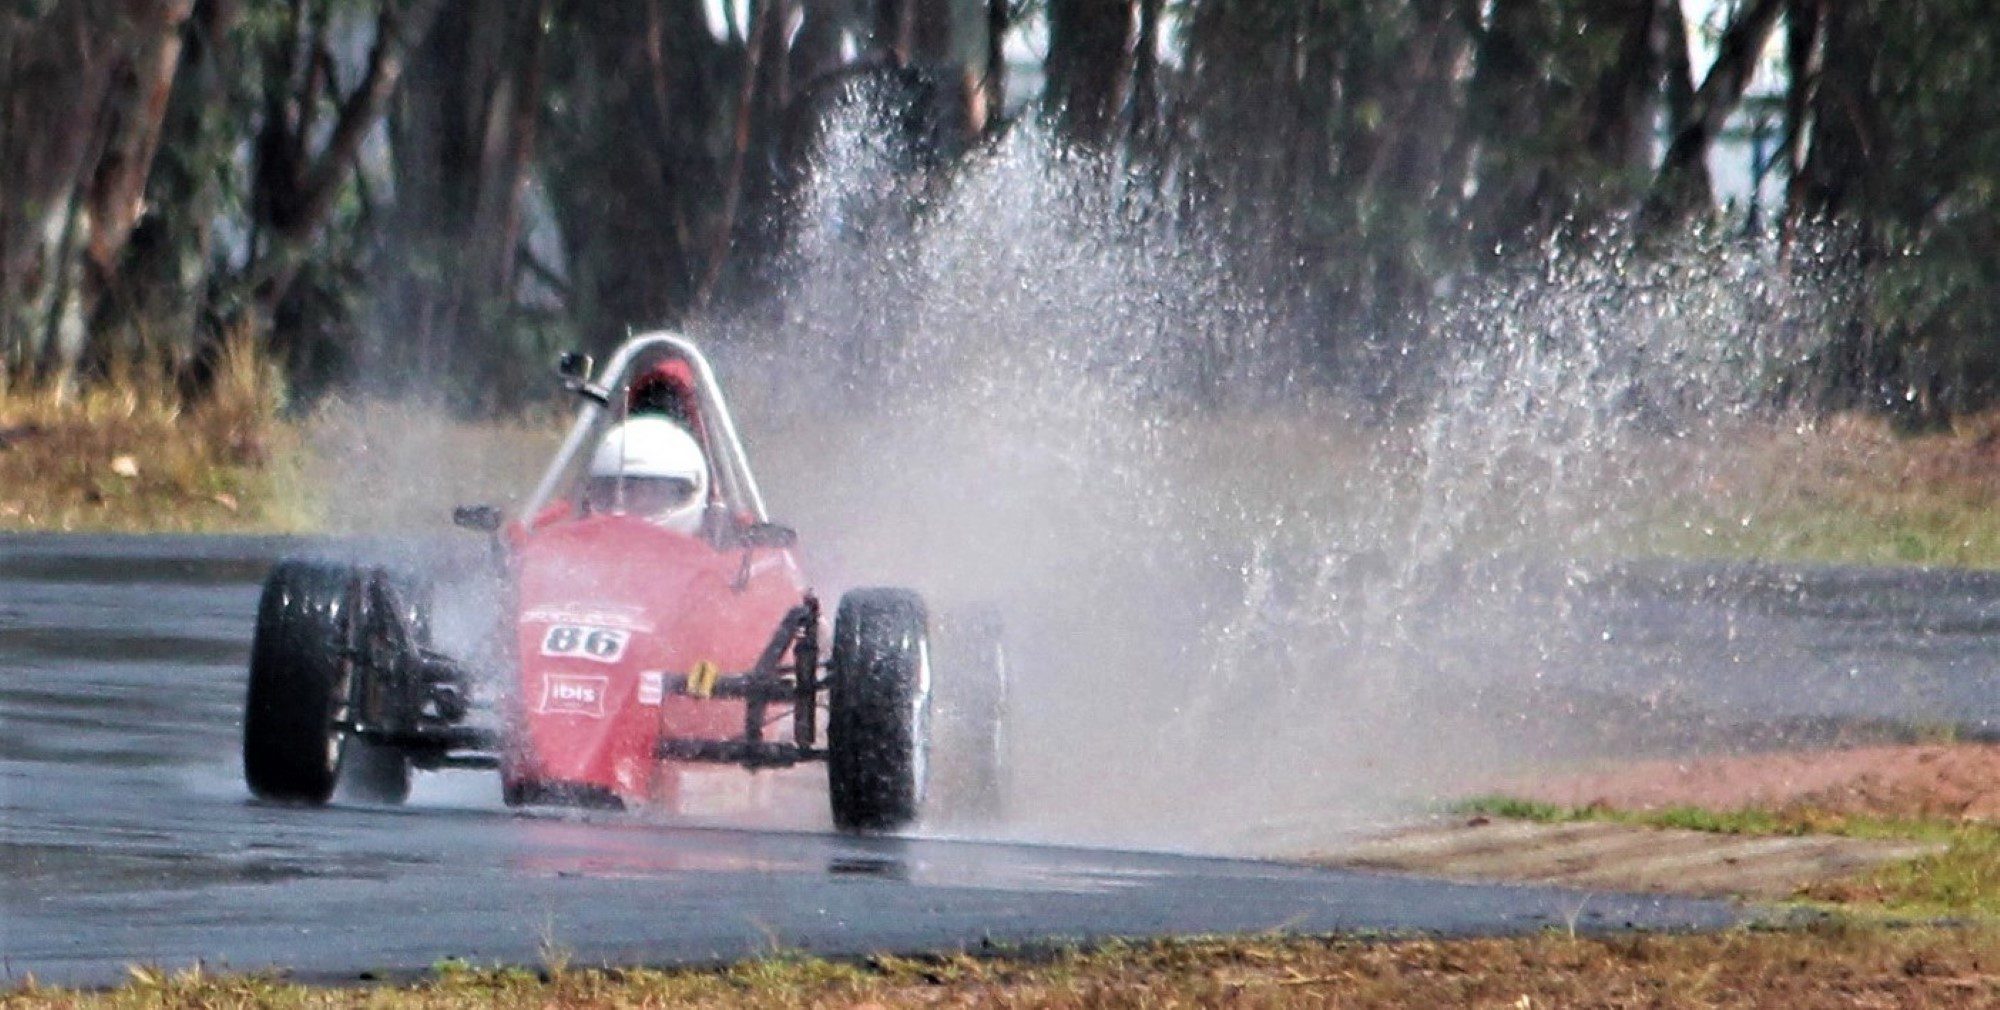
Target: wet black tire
x: 969, y: 717
x: 878, y: 702
x: 301, y: 682
x: 291, y: 748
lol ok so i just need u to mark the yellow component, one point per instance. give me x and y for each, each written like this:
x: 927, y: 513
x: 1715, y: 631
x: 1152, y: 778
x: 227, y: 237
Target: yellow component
x: 701, y: 680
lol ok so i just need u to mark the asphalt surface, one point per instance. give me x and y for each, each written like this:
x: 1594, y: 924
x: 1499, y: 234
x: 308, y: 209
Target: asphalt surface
x: 1763, y: 653
x: 126, y: 835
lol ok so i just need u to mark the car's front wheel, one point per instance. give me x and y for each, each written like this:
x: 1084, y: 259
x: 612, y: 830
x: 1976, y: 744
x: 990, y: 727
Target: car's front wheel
x: 878, y: 705
x: 300, y: 682
x: 296, y: 747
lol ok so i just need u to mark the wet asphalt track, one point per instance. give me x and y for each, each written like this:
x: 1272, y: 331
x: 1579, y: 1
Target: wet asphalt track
x: 126, y: 835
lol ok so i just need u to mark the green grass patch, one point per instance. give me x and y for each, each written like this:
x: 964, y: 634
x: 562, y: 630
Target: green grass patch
x: 1728, y: 822
x: 1964, y: 879
x: 1791, y: 820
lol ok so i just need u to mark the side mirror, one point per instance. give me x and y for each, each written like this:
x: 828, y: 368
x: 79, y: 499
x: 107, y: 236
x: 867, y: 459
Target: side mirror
x: 484, y: 518
x: 573, y: 366
x: 768, y: 535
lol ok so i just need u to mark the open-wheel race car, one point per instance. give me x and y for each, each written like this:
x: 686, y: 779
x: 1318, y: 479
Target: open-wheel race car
x: 650, y: 620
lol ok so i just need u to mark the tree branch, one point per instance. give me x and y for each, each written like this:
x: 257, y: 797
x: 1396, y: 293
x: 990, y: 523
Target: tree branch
x: 1674, y: 194
x: 395, y: 31
x: 732, y: 186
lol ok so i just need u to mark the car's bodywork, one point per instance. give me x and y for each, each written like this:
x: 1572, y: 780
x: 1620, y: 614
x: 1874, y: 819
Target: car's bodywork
x: 613, y: 614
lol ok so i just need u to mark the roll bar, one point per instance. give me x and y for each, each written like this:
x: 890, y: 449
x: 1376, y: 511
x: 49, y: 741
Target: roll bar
x: 721, y: 444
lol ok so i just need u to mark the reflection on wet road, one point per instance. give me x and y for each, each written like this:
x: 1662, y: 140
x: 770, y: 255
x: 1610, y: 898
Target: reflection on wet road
x: 126, y: 834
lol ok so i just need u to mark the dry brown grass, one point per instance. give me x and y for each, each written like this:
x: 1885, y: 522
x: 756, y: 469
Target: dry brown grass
x: 1844, y: 489
x: 130, y: 454
x: 1834, y: 965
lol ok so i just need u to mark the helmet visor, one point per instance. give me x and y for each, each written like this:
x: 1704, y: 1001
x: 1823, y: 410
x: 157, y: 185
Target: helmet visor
x: 640, y: 495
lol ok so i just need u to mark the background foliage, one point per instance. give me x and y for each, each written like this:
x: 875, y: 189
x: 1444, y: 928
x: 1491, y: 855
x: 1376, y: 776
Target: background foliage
x: 431, y: 195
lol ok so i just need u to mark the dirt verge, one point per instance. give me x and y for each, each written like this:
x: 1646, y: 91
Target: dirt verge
x: 1955, y: 781
x: 1938, y: 784
x: 1625, y: 857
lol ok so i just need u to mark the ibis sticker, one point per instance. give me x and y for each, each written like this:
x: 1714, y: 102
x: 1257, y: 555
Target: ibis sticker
x: 566, y: 694
x: 581, y: 641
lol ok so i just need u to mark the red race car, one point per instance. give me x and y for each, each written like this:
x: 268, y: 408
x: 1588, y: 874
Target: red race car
x: 653, y: 620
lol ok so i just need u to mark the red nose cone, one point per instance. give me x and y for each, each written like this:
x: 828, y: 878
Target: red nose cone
x: 612, y: 610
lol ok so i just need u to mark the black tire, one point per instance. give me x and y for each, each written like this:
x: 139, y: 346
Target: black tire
x: 969, y: 717
x: 878, y: 709
x: 301, y: 685
x: 298, y: 681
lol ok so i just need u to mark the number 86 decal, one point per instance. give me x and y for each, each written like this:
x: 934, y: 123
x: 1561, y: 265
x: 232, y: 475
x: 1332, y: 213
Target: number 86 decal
x: 604, y: 645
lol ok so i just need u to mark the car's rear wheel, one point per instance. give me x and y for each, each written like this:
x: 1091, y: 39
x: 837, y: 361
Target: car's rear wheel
x: 373, y: 773
x: 878, y: 709
x: 969, y: 717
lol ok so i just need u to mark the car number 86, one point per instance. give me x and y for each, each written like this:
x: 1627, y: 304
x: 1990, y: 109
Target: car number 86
x: 605, y: 645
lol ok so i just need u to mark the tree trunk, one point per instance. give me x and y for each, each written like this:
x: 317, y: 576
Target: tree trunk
x: 1804, y: 32
x: 895, y: 30
x: 1089, y: 66
x: 56, y: 71
x: 1504, y: 114
x: 1620, y: 131
x: 633, y: 183
x: 115, y: 196
x: 999, y: 19
x: 296, y: 187
x: 465, y: 138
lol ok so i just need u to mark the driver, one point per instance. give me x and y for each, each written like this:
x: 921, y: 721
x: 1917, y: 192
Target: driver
x: 649, y: 467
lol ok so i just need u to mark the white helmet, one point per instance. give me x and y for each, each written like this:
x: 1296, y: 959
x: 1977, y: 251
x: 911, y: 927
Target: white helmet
x: 650, y: 466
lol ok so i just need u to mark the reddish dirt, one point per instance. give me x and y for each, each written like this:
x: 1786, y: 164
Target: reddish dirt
x: 1923, y: 780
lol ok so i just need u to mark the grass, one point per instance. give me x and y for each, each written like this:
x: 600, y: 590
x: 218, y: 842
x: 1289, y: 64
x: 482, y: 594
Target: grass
x: 1963, y: 879
x: 132, y: 455
x: 1845, y: 489
x: 1836, y: 964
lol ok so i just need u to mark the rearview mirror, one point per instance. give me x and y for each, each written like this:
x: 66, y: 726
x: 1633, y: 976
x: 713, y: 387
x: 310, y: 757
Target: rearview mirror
x: 484, y: 518
x: 768, y: 535
x: 574, y: 369
x: 573, y: 366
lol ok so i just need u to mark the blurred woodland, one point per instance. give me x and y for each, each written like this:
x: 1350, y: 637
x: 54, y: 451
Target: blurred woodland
x: 441, y: 192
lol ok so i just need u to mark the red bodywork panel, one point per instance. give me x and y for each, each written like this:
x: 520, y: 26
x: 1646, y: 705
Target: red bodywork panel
x: 609, y: 607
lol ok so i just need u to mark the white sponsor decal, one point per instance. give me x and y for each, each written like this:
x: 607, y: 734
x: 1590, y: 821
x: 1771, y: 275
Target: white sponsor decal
x: 572, y: 695
x: 652, y: 687
x: 578, y: 641
x: 767, y: 562
x: 597, y: 615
